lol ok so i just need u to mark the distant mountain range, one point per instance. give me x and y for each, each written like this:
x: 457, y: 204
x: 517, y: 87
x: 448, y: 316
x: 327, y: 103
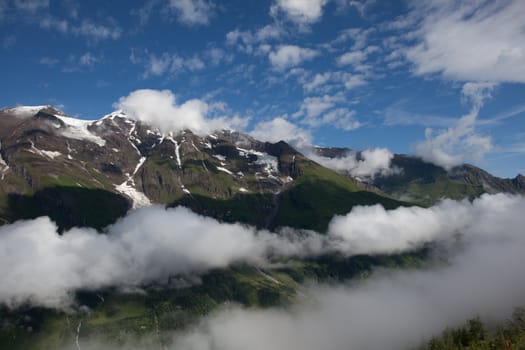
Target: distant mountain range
x: 424, y: 183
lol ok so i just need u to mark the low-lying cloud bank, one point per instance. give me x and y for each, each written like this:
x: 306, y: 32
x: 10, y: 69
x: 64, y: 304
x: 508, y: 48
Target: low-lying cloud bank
x: 151, y: 244
x: 390, y: 310
x: 395, y: 311
x: 364, y: 165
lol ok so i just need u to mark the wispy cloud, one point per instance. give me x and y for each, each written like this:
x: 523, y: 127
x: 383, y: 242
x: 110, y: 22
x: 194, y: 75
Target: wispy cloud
x: 192, y: 12
x: 461, y: 142
x: 469, y: 41
x: 97, y: 31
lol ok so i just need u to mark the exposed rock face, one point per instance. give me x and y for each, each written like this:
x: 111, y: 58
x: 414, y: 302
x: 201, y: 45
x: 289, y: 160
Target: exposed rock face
x: 40, y: 146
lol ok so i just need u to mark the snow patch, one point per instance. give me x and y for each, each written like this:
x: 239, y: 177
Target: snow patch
x: 25, y: 111
x: 242, y: 189
x: 78, y: 129
x: 184, y: 189
x: 3, y: 164
x: 225, y: 170
x: 270, y: 163
x: 193, y: 145
x: 177, y: 151
x: 220, y: 157
x: 128, y: 188
x: 51, y: 154
x: 43, y: 153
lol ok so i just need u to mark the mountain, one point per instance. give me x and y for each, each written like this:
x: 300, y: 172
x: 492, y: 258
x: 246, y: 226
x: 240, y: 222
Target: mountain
x: 417, y: 181
x: 88, y: 173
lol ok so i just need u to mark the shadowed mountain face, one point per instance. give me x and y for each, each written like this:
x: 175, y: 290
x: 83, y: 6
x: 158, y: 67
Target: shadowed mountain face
x: 425, y: 183
x: 89, y: 173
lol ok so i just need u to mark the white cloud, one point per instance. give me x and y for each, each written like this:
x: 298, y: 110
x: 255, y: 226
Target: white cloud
x: 364, y: 165
x: 391, y: 309
x: 60, y: 25
x: 333, y: 80
x: 249, y: 41
x: 302, y: 12
x: 459, y: 143
x: 287, y: 56
x: 360, y: 6
x: 279, y: 129
x: 192, y: 12
x: 150, y: 244
x: 351, y: 57
x: 159, y: 108
x: 470, y: 41
x: 318, y: 81
x: 97, y: 31
x: 88, y: 59
x: 320, y: 110
x: 48, y: 61
x: 352, y: 81
x: 31, y: 6
x: 312, y: 107
x: 217, y: 56
x: 172, y: 64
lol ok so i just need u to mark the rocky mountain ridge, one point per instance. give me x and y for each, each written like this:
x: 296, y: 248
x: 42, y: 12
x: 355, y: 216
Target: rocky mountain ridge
x: 424, y: 183
x: 134, y: 164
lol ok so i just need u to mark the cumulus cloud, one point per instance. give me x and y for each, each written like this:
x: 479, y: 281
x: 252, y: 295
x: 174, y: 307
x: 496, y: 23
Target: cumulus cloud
x: 460, y: 143
x: 287, y: 56
x: 192, y: 12
x: 151, y: 244
x: 160, y: 109
x: 302, y: 12
x: 392, y: 309
x: 280, y: 129
x: 470, y: 41
x: 364, y: 165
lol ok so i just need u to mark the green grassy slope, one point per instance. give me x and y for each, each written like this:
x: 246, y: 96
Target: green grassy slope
x: 115, y: 316
x: 318, y: 194
x: 425, y: 183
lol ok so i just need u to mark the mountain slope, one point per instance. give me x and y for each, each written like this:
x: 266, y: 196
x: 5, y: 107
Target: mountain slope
x: 424, y: 183
x: 60, y: 166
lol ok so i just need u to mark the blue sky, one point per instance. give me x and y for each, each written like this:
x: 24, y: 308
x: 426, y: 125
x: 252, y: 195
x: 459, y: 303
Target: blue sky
x: 436, y: 78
